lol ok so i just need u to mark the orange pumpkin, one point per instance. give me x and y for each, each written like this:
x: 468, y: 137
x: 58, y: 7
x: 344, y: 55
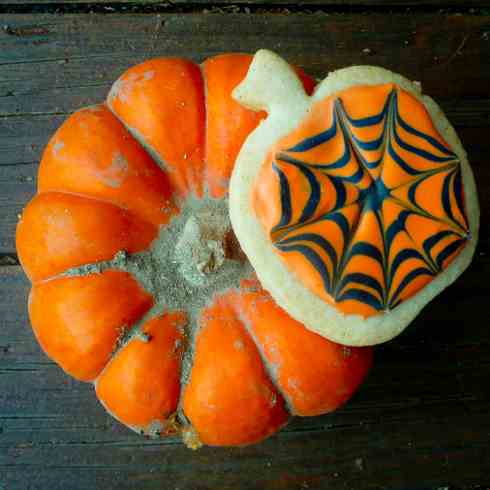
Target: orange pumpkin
x: 138, y: 283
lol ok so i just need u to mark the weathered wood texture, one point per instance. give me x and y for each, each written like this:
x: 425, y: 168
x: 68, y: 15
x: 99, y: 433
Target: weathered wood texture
x: 301, y: 3
x: 421, y: 420
x: 52, y: 65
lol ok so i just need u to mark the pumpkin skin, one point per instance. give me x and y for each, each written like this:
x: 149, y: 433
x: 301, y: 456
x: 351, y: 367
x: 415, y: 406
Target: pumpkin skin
x: 182, y: 340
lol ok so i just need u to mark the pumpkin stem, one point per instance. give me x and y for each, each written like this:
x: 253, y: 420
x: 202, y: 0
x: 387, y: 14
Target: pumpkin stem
x: 201, y: 249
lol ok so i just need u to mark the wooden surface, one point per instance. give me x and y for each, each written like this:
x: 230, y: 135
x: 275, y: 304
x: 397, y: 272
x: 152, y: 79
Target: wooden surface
x: 421, y: 421
x: 194, y: 4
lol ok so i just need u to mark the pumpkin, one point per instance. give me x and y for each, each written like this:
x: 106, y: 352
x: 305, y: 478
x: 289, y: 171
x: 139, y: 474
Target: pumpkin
x: 138, y: 283
x: 355, y: 206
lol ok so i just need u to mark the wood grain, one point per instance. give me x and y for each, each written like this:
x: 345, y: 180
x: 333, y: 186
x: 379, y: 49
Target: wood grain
x: 43, y: 56
x: 464, y: 4
x: 420, y: 421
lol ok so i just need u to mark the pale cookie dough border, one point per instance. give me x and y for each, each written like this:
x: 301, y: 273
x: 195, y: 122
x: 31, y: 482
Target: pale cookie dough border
x: 271, y: 85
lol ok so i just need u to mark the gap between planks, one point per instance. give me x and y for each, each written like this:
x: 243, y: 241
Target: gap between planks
x: 478, y: 7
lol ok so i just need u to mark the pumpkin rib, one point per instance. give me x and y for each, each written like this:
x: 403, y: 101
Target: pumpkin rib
x: 246, y: 121
x: 267, y: 365
x: 314, y: 374
x: 92, y: 154
x: 135, y: 331
x: 269, y: 368
x: 141, y: 405
x: 63, y: 316
x: 158, y: 121
x: 227, y: 122
x: 153, y: 154
x: 98, y: 199
x: 217, y: 157
x: 222, y: 414
x: 341, y: 369
x: 73, y: 231
x: 206, y: 117
x: 138, y: 137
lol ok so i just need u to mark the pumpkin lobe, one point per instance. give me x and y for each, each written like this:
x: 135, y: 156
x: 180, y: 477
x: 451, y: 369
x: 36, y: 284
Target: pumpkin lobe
x: 141, y: 384
x: 229, y: 398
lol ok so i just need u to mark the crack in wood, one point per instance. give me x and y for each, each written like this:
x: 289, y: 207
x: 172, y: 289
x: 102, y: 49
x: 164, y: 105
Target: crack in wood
x: 9, y: 260
x: 25, y: 31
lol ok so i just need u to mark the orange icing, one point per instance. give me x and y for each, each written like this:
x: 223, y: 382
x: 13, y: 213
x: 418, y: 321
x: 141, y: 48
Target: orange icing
x: 364, y: 200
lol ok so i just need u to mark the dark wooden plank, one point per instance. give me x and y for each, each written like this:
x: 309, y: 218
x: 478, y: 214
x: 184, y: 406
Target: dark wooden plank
x: 424, y: 406
x: 57, y: 64
x: 230, y: 3
x: 448, y: 53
